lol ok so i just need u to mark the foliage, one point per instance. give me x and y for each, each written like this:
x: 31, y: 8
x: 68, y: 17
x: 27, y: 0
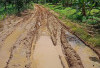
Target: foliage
x: 82, y: 5
x: 18, y: 4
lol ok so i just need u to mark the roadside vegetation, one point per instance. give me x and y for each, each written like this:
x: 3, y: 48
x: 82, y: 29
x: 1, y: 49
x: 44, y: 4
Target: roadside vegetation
x: 13, y: 7
x: 8, y: 7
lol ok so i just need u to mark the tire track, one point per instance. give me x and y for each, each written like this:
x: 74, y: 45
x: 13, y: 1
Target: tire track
x: 38, y: 40
x: 25, y: 41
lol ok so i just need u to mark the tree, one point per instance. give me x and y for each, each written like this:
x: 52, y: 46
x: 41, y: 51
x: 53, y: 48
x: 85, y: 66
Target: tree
x: 55, y: 1
x: 91, y: 4
x: 42, y: 1
x: 64, y: 3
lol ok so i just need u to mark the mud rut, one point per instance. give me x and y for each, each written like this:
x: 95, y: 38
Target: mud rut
x: 40, y: 40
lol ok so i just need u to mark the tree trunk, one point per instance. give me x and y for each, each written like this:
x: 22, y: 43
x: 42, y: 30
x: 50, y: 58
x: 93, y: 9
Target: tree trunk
x: 67, y: 3
x: 5, y: 5
x: 37, y: 1
x: 83, y: 10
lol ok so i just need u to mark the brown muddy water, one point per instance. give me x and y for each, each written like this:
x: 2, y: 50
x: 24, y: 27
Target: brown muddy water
x: 88, y: 56
x: 45, y: 54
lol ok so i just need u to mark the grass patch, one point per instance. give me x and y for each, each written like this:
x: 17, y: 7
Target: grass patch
x: 75, y: 15
x: 12, y: 10
x: 83, y: 34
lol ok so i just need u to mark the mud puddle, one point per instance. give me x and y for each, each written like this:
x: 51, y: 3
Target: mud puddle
x: 45, y: 54
x: 86, y: 54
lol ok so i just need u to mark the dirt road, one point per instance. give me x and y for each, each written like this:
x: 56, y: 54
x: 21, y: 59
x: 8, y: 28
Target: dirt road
x: 39, y: 40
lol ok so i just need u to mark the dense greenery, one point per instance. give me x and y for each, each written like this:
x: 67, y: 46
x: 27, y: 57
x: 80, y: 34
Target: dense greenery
x: 82, y: 10
x: 13, y: 7
x: 81, y: 5
x: 17, y: 5
x: 75, y: 15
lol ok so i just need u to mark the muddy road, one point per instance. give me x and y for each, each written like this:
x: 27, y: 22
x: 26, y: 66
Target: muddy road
x: 39, y: 40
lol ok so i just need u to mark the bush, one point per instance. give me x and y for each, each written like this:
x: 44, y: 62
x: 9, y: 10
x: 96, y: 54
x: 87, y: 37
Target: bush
x: 95, y: 41
x: 89, y: 21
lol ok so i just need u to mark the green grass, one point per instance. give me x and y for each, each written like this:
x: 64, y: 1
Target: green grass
x: 83, y: 34
x: 75, y: 15
x: 77, y: 22
x: 10, y: 10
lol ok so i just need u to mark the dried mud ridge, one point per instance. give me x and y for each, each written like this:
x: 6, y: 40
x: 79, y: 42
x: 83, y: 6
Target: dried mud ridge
x: 21, y: 38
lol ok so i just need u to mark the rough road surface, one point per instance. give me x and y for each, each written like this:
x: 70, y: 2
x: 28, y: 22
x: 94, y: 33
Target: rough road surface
x: 40, y: 40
